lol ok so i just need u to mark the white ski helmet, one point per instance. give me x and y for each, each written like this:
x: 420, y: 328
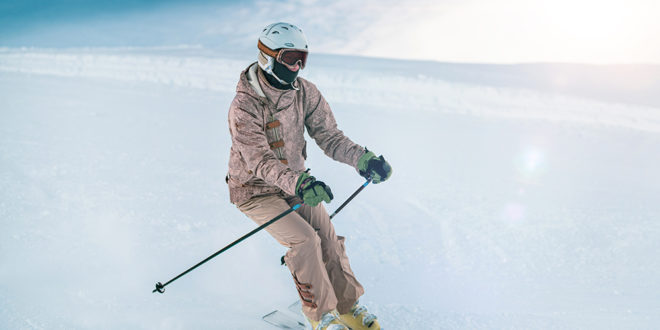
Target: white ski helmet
x: 277, y: 36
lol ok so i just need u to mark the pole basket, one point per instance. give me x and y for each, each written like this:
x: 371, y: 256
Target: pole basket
x: 159, y: 287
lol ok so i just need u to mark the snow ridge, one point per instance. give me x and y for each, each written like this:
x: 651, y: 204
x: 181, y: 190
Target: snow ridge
x: 349, y: 84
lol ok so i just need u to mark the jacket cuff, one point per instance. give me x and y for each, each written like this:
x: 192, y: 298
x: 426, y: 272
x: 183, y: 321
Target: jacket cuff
x: 290, y: 182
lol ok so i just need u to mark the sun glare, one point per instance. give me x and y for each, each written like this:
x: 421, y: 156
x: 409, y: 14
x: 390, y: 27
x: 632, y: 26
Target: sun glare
x: 594, y: 29
x: 514, y: 31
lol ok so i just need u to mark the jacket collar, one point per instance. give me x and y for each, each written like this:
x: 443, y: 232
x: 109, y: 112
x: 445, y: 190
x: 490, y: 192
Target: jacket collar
x: 253, y: 82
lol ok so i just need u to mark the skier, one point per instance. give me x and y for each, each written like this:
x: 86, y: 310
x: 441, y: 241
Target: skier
x: 267, y: 119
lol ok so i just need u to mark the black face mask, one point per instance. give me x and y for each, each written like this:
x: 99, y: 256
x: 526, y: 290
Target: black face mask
x: 284, y: 73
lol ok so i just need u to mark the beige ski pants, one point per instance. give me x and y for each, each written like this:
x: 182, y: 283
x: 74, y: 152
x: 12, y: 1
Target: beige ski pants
x: 316, y: 257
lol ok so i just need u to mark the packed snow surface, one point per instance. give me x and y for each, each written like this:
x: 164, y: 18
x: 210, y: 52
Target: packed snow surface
x: 512, y: 204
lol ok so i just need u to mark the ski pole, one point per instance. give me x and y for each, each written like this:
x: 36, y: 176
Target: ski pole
x: 350, y: 198
x: 161, y: 287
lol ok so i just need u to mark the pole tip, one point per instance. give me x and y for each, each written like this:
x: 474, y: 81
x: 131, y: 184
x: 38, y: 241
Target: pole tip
x: 159, y: 287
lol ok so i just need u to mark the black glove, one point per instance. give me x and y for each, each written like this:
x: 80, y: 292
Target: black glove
x: 376, y: 168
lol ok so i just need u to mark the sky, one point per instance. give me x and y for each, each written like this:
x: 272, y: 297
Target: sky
x: 473, y: 31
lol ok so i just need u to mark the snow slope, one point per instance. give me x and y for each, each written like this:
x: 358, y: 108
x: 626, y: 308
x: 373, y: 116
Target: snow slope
x: 510, y: 206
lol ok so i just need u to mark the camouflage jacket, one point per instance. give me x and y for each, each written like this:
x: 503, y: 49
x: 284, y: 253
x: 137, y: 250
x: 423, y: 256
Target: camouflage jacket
x: 268, y: 149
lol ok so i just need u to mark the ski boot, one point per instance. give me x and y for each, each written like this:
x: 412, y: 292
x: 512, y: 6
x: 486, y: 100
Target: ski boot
x: 329, y: 321
x: 360, y: 319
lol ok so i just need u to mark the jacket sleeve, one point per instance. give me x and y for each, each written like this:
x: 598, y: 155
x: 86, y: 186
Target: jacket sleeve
x: 322, y: 127
x: 249, y: 138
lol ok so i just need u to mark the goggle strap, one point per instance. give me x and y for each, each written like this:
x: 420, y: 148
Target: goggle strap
x: 266, y: 50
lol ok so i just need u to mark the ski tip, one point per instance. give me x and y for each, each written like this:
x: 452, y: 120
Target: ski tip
x: 283, y: 320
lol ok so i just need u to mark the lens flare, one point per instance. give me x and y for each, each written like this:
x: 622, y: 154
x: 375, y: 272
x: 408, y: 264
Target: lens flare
x: 513, y: 212
x: 530, y: 163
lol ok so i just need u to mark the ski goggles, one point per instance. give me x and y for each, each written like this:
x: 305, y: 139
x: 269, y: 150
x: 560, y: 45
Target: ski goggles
x: 285, y: 56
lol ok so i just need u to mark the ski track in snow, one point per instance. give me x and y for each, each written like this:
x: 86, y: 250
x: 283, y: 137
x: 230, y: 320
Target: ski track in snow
x: 508, y: 208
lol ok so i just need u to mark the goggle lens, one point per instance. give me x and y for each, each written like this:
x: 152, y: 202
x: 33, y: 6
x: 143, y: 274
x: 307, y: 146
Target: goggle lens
x: 291, y: 57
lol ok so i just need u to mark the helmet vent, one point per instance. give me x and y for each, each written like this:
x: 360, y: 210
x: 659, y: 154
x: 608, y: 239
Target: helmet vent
x: 286, y: 28
x: 288, y: 44
x: 275, y: 32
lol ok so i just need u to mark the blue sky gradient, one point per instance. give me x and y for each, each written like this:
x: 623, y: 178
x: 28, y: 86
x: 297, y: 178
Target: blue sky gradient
x: 472, y: 31
x: 23, y: 14
x: 75, y: 23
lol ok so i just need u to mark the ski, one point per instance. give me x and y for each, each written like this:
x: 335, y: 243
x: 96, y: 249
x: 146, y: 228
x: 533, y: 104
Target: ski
x: 283, y: 320
x: 287, y: 320
x: 296, y: 307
